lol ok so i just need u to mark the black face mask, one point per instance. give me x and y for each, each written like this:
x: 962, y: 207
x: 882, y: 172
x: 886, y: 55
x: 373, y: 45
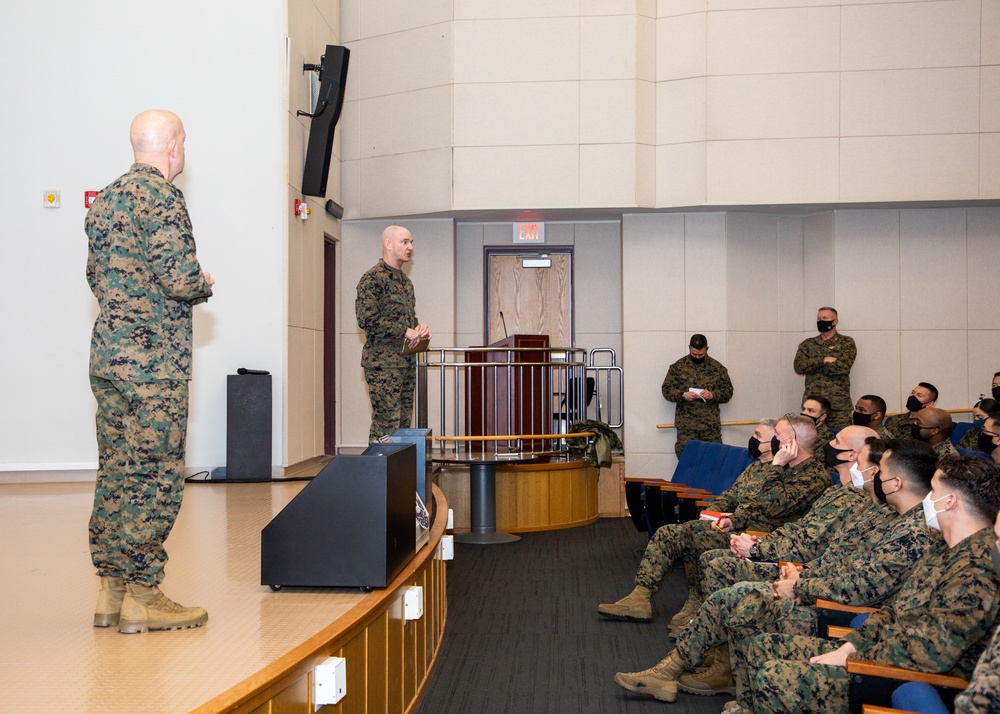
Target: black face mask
x: 815, y: 420
x: 753, y: 446
x: 996, y: 393
x: 824, y: 325
x: 879, y: 491
x: 831, y: 455
x: 985, y: 443
x: 913, y: 404
x: 775, y: 445
x: 859, y: 419
x: 698, y: 360
x: 915, y: 433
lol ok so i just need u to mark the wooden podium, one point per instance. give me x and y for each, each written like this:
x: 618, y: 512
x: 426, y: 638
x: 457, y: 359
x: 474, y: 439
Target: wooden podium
x: 510, y: 396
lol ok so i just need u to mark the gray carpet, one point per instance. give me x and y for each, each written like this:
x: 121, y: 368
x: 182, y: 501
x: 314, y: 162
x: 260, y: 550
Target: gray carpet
x: 523, y: 634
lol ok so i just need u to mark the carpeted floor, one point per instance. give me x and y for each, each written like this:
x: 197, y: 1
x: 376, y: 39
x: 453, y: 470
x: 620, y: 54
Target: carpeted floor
x: 523, y: 634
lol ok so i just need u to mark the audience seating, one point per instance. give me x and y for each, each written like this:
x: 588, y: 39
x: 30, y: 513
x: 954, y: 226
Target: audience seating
x: 873, y: 683
x: 958, y: 430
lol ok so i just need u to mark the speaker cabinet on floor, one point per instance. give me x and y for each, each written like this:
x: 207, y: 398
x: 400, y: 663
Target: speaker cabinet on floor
x: 248, y: 427
x: 354, y: 525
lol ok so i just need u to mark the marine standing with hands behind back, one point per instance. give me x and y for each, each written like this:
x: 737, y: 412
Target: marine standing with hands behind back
x: 698, y: 384
x: 386, y: 311
x: 826, y: 362
x: 142, y: 268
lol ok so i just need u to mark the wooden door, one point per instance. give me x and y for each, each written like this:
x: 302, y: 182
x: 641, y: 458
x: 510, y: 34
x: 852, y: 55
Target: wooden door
x: 533, y: 300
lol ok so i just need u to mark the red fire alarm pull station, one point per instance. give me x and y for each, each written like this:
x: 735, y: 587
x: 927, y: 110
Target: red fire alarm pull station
x: 88, y: 198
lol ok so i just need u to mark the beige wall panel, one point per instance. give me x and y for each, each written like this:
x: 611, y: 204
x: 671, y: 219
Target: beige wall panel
x: 989, y: 165
x: 983, y: 239
x: 877, y: 368
x: 773, y: 106
x: 355, y: 411
x: 650, y: 355
x: 909, y: 168
x: 350, y: 176
x: 545, y: 50
x: 406, y: 183
x: 752, y: 270
x: 984, y: 348
x: 517, y: 114
x: 681, y: 110
x: 681, y: 49
x: 597, y: 267
x: 653, y: 258
x: 681, y: 174
x: 989, y: 98
x: 672, y: 8
x: 517, y: 176
x: 913, y: 101
x: 618, y: 7
x: 793, y: 236
x: 386, y: 17
x: 487, y: 9
x: 867, y: 270
x: 432, y: 270
x: 402, y: 62
x: 790, y: 385
x: 797, y: 40
x: 755, y: 365
x: 428, y: 122
x: 939, y: 357
x: 819, y: 274
x: 776, y: 170
x: 715, y: 5
x: 990, y: 33
x: 646, y: 47
x: 944, y: 33
x: 608, y: 112
x: 608, y: 47
x: 296, y: 268
x: 469, y: 282
x: 932, y: 243
x: 608, y: 175
x: 645, y: 163
x: 350, y: 21
x: 645, y: 108
x: 705, y: 274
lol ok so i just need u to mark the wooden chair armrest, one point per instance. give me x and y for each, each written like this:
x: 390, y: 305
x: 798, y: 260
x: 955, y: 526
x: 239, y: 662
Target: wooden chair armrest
x: 703, y: 504
x: 695, y: 495
x: 888, y: 671
x: 872, y: 709
x: 836, y: 632
x: 856, y: 609
x: 680, y: 488
x: 757, y: 534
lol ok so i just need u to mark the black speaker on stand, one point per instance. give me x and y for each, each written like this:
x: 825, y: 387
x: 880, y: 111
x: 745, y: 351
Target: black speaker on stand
x: 248, y: 426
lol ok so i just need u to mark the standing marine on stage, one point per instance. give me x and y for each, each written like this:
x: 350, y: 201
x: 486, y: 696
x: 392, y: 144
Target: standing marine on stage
x: 698, y: 384
x: 826, y: 362
x: 386, y: 311
x: 142, y: 268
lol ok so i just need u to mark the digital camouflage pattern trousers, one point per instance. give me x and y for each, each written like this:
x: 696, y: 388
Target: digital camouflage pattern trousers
x: 391, y: 394
x: 141, y: 434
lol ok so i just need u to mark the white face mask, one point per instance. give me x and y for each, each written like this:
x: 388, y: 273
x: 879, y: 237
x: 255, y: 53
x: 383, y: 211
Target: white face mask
x: 931, y: 513
x: 857, y: 477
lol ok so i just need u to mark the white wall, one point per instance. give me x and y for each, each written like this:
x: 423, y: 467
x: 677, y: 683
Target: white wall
x: 73, y: 76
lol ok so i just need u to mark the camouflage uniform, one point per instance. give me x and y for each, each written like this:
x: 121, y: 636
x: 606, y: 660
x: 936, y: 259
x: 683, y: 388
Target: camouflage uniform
x: 697, y: 419
x: 945, y: 448
x: 983, y: 693
x: 939, y: 622
x: 142, y: 268
x: 823, y: 437
x: 970, y: 440
x: 831, y: 380
x: 882, y: 432
x: 899, y: 426
x: 786, y: 494
x: 386, y: 308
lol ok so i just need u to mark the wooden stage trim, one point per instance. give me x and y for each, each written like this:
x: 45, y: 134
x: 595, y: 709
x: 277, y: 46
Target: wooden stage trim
x: 389, y: 660
x: 530, y: 497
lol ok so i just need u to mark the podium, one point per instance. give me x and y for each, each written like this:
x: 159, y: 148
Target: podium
x: 509, y: 394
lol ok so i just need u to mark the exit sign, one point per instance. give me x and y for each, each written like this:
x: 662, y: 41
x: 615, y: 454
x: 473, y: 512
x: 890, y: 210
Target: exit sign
x: 529, y: 232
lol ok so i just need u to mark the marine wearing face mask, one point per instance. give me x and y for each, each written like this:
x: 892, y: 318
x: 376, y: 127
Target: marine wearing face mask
x: 922, y: 396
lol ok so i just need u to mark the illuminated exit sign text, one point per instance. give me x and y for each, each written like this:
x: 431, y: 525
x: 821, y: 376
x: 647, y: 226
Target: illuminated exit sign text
x: 529, y: 232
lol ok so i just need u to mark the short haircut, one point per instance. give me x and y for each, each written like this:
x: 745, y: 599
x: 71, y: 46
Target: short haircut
x: 996, y: 374
x: 805, y: 430
x: 876, y: 447
x: 768, y: 422
x: 827, y: 307
x: 824, y: 403
x: 988, y: 405
x: 877, y: 402
x: 916, y: 460
x: 976, y: 480
x: 931, y: 388
x: 698, y: 341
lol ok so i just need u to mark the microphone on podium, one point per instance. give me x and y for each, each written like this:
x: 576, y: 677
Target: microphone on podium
x: 504, y: 323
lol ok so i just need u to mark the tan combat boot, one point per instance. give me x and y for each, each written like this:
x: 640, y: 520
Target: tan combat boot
x: 109, y: 602
x: 717, y: 679
x: 682, y: 618
x: 734, y: 707
x: 146, y: 608
x: 658, y: 682
x: 634, y: 607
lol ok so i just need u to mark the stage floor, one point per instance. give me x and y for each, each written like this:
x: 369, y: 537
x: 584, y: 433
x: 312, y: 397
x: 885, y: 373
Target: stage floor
x: 52, y: 659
